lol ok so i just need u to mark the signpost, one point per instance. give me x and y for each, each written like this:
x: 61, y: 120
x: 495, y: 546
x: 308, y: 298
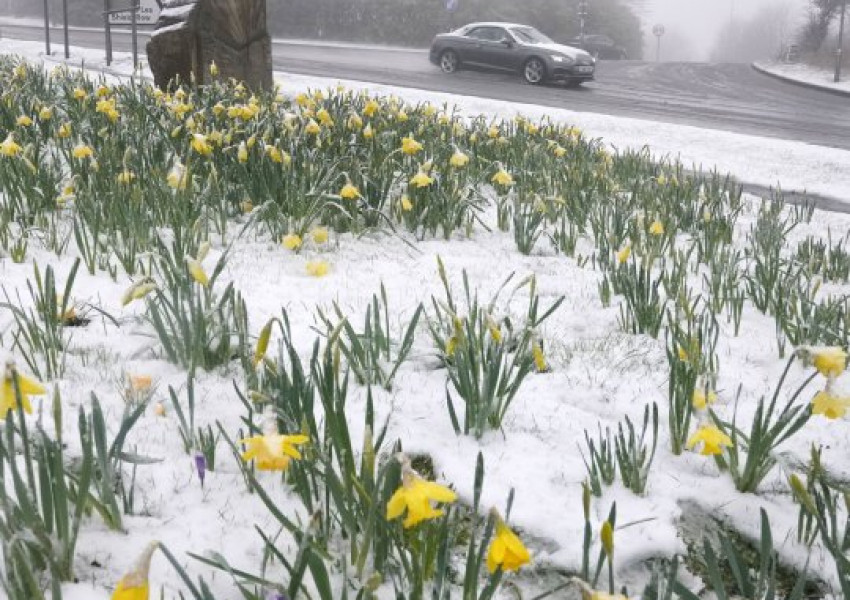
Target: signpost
x: 47, y: 27
x: 658, y: 31
x: 582, y: 15
x: 839, y: 51
x: 142, y: 12
x: 147, y: 14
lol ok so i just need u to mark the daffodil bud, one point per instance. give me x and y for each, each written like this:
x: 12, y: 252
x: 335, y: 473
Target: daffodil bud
x: 801, y: 494
x: 607, y: 537
x: 263, y: 343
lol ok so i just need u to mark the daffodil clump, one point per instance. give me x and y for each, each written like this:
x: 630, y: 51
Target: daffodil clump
x: 135, y: 180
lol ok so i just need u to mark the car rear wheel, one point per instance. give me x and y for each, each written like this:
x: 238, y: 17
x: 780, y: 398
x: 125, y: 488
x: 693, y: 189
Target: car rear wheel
x: 534, y: 71
x: 449, y: 61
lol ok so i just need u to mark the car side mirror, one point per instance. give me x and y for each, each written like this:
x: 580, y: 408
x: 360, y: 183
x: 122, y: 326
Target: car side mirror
x: 508, y: 43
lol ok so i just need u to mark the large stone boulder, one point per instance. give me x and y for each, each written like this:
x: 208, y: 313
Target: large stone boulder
x: 191, y: 34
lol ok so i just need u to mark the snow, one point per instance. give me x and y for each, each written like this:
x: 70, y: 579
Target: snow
x: 173, y: 27
x: 176, y: 12
x: 599, y: 374
x: 820, y: 77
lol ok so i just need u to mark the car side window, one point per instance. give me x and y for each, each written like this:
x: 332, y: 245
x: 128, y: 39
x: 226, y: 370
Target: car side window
x: 488, y: 34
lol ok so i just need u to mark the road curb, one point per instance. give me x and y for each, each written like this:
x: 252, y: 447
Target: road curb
x: 806, y: 84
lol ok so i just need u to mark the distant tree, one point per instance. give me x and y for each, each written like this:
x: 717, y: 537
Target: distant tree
x: 816, y: 29
x: 762, y: 36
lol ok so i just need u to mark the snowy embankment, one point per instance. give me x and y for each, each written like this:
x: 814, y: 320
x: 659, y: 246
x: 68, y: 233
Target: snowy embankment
x: 806, y: 75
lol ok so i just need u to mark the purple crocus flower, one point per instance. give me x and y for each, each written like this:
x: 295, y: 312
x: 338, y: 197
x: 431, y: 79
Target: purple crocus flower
x: 201, y: 467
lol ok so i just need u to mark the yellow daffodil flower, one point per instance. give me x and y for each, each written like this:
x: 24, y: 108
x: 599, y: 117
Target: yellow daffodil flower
x: 415, y: 496
x: 45, y: 114
x: 459, y: 160
x: 349, y: 192
x: 559, y: 151
x: 201, y: 145
x: 213, y: 69
x: 28, y: 387
x: 125, y: 177
x: 138, y: 290
x: 291, y: 241
x: 506, y: 551
x: 657, y: 228
x: 624, y: 253
x: 140, y: 383
x: 830, y: 362
x: 355, y: 123
x: 599, y: 595
x: 64, y: 131
x: 539, y: 358
x: 82, y: 151
x: 196, y: 270
x: 502, y: 178
x: 273, y: 451
x: 134, y: 585
x: 701, y: 400
x: 242, y: 153
x: 406, y: 203
x: 371, y: 108
x: 9, y: 148
x: 178, y: 176
x: 829, y: 405
x: 410, y: 146
x: 368, y: 132
x: 274, y: 154
x: 80, y: 94
x: 23, y: 121
x: 318, y: 268
x: 712, y: 438
x: 493, y: 132
x: 421, y: 179
x: 319, y: 235
x: 325, y: 118
x: 312, y: 128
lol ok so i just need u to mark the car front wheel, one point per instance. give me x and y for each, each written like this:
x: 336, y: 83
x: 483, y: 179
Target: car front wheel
x: 449, y: 61
x: 534, y: 71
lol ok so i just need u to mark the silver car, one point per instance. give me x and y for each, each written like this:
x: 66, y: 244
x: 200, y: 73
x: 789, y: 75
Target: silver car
x: 513, y: 48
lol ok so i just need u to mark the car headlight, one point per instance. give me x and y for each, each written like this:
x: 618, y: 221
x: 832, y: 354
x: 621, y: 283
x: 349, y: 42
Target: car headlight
x: 558, y: 58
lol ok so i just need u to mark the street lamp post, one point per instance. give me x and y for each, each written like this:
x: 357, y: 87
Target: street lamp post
x: 839, y: 50
x: 47, y: 27
x: 658, y: 31
x: 582, y: 15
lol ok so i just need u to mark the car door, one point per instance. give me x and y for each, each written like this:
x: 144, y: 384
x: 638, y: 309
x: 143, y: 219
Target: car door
x: 494, y: 48
x: 468, y: 47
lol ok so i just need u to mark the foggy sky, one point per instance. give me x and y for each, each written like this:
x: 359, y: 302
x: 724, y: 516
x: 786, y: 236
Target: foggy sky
x: 700, y: 21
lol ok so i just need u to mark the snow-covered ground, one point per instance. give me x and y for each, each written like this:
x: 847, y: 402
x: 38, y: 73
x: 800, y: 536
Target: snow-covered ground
x: 816, y: 76
x: 599, y: 374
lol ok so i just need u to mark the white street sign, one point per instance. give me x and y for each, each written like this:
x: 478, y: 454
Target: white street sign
x: 147, y: 14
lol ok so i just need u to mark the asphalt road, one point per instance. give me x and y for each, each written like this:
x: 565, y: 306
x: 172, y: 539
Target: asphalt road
x: 732, y: 97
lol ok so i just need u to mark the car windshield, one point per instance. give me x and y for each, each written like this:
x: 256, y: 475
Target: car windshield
x: 529, y: 35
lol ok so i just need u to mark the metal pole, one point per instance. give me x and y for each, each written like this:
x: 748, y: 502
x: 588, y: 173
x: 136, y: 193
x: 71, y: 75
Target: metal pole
x: 47, y: 27
x: 658, y: 50
x: 135, y: 43
x: 65, y: 27
x: 108, y: 32
x: 840, y: 51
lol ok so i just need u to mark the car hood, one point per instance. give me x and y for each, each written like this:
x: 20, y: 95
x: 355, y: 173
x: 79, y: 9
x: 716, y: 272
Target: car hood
x: 574, y: 53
